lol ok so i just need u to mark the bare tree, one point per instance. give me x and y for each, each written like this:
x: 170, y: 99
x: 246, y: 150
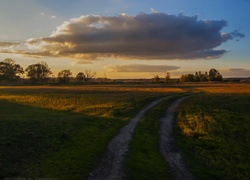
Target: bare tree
x: 86, y: 75
x: 167, y: 77
x: 156, y: 78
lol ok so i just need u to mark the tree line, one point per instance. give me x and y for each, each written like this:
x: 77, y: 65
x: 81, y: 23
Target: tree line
x: 212, y: 75
x: 39, y: 72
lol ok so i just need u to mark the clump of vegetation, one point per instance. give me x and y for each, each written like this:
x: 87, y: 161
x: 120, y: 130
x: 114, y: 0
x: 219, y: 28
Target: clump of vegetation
x: 156, y: 78
x: 213, y: 131
x: 39, y: 72
x: 213, y: 75
x: 64, y: 76
x: 85, y: 76
x: 10, y: 71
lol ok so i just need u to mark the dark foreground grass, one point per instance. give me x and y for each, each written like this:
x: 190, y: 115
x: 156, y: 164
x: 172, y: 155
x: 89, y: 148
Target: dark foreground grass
x: 144, y: 160
x: 62, y: 132
x: 43, y: 143
x: 213, y: 132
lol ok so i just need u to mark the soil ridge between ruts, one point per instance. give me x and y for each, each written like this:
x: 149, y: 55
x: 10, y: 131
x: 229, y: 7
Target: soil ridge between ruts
x: 167, y: 144
x: 110, y: 167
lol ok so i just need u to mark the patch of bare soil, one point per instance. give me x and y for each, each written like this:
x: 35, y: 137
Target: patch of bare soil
x: 110, y: 167
x: 168, y: 147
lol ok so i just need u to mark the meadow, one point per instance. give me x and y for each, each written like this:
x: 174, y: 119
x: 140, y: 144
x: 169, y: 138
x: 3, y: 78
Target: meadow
x: 62, y: 131
x: 212, y: 130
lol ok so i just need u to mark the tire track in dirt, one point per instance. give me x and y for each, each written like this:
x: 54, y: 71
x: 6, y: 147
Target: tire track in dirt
x: 168, y: 147
x: 110, y: 167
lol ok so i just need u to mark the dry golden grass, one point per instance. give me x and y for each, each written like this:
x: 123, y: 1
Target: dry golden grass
x: 123, y: 87
x: 227, y: 88
x: 89, y: 99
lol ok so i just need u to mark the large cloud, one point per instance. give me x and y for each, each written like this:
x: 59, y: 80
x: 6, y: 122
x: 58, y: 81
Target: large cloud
x: 140, y: 68
x: 144, y: 36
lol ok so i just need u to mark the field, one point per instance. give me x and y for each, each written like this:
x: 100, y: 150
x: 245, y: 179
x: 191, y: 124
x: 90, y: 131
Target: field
x: 62, y: 131
x: 213, y: 132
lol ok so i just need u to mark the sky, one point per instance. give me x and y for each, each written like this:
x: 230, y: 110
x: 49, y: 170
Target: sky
x: 128, y: 38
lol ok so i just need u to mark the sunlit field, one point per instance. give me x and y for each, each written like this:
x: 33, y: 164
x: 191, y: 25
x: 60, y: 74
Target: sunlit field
x: 62, y: 131
x: 89, y: 100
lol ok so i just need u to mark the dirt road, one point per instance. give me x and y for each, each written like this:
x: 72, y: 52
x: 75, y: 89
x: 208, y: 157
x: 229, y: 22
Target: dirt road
x: 167, y: 145
x: 110, y: 167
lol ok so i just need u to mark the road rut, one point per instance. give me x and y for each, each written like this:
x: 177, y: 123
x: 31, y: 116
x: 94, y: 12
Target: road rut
x: 168, y: 147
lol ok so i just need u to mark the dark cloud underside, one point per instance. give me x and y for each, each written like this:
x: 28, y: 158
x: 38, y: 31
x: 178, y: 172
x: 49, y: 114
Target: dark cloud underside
x: 145, y: 36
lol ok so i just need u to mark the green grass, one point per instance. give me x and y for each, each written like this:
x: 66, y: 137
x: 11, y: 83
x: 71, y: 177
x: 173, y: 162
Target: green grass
x: 43, y: 143
x: 144, y: 160
x: 62, y: 132
x: 213, y: 132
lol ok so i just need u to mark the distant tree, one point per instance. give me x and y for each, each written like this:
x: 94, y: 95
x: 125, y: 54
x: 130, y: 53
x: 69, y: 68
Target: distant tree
x: 9, y: 70
x: 167, y: 77
x: 80, y: 76
x: 187, y: 78
x: 182, y: 78
x: 156, y: 78
x: 214, y: 75
x: 64, y: 76
x: 213, y: 72
x: 39, y: 72
x: 203, y: 77
x: 218, y: 77
x: 85, y: 76
x: 197, y: 76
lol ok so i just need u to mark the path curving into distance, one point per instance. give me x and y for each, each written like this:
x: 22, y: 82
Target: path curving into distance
x: 110, y: 167
x: 167, y: 144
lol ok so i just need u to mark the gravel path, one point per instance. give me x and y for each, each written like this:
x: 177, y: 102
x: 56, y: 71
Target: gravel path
x: 167, y: 145
x: 110, y: 167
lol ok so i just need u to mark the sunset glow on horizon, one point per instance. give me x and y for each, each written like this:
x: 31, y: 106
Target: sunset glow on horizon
x: 128, y: 39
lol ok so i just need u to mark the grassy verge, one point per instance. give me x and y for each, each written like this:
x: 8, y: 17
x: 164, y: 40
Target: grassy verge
x: 213, y: 132
x: 144, y: 160
x: 61, y: 132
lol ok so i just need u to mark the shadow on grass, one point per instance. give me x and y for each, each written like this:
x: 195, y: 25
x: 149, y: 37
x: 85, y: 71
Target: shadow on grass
x: 37, y: 142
